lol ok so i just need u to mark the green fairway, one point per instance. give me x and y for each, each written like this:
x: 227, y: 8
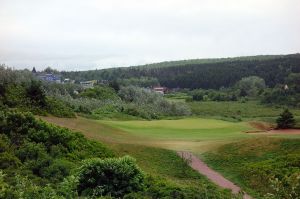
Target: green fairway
x: 190, y: 129
x: 193, y: 134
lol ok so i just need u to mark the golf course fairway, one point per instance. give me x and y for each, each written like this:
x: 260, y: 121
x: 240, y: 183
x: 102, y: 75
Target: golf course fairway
x: 192, y: 134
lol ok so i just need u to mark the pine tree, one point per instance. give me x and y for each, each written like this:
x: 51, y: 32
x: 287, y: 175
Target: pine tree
x: 285, y: 120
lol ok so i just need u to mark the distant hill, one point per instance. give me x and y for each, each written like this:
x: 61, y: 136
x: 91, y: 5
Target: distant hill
x: 202, y: 73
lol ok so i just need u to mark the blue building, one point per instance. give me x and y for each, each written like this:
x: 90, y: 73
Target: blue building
x: 50, y: 77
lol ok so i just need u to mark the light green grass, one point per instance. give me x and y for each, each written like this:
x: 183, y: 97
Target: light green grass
x: 189, y: 129
x: 192, y: 134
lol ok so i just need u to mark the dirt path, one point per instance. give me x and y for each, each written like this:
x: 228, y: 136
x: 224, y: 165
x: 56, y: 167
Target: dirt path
x: 285, y: 131
x: 214, y: 176
x: 268, y: 129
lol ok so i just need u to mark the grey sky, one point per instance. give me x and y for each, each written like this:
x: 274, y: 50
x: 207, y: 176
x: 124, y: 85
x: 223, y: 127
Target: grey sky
x: 89, y: 34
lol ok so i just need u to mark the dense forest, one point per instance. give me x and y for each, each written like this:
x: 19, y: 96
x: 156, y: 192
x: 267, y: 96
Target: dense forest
x: 206, y: 73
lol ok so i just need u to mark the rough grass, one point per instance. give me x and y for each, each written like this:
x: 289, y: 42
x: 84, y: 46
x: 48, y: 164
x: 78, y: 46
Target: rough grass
x: 249, y: 109
x: 234, y: 160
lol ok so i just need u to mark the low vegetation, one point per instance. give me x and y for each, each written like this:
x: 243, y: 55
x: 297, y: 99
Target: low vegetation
x: 39, y: 154
x: 39, y: 160
x: 240, y: 109
x: 286, y: 120
x: 266, y: 167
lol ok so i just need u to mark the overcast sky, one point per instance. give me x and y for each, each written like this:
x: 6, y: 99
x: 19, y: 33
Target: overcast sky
x: 89, y: 34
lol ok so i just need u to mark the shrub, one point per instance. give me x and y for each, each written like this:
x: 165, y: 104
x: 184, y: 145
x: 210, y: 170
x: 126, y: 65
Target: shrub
x: 112, y: 176
x: 36, y: 94
x: 251, y: 86
x: 100, y: 93
x: 150, y: 105
x: 42, y: 151
x: 285, y: 120
x: 58, y: 108
x: 8, y: 160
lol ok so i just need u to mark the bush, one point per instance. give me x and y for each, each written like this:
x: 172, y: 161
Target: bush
x: 150, y: 105
x: 42, y: 151
x: 100, y: 93
x: 213, y: 95
x: 58, y: 108
x: 8, y: 160
x: 112, y: 176
x: 285, y: 120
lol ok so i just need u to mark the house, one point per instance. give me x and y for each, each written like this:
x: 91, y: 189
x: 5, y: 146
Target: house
x: 88, y: 84
x: 161, y: 90
x: 49, y: 77
x: 68, y: 81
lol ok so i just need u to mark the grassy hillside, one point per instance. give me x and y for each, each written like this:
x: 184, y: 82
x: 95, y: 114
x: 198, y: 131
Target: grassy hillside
x: 263, y: 166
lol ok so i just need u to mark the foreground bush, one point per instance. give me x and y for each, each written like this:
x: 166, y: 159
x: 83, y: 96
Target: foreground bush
x: 43, y: 152
x: 113, y: 176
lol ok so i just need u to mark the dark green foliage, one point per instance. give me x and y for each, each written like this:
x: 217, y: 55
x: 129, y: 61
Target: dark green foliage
x: 160, y: 188
x: 285, y: 120
x: 19, y: 89
x: 8, y: 160
x: 293, y: 82
x: 281, y: 96
x: 145, y: 82
x: 213, y: 95
x: 58, y: 108
x: 115, y: 177
x: 115, y: 85
x: 36, y: 94
x: 205, y: 74
x: 100, y: 93
x: 44, y: 152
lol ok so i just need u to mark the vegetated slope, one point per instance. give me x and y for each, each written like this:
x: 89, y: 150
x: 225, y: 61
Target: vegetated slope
x: 36, y: 155
x: 264, y: 166
x: 213, y: 73
x: 39, y: 160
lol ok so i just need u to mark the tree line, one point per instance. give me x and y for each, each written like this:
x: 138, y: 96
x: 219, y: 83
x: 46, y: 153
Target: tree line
x: 209, y: 74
